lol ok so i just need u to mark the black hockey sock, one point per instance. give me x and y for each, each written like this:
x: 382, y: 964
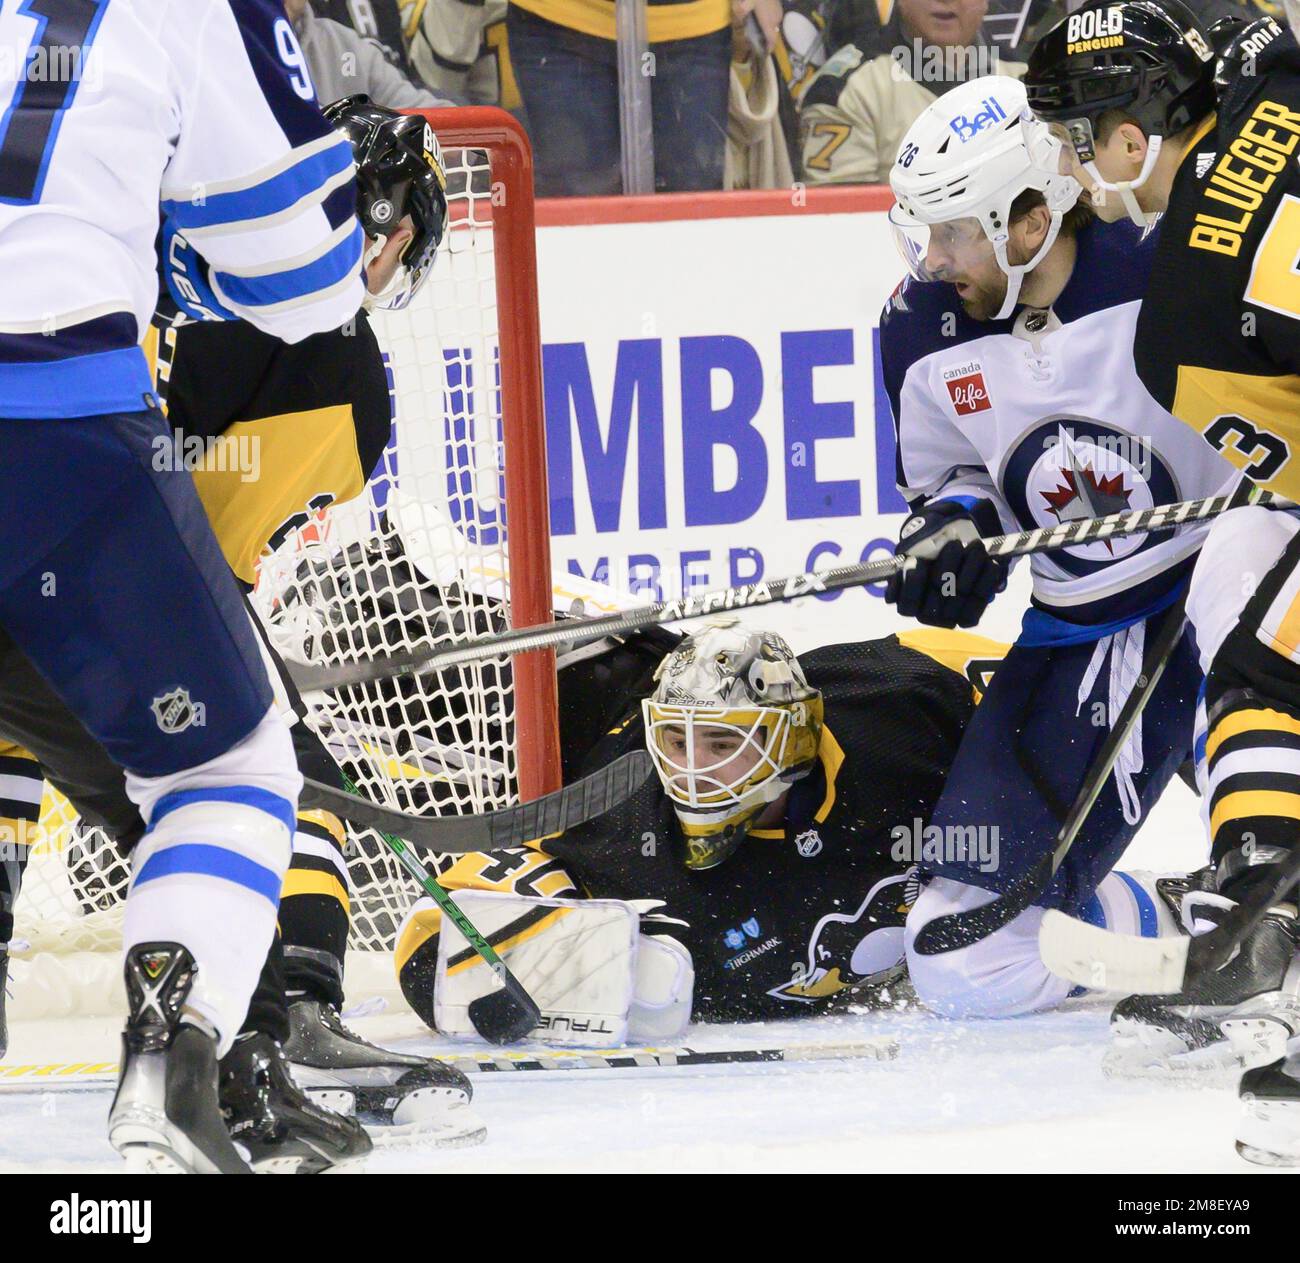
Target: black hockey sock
x: 268, y: 1010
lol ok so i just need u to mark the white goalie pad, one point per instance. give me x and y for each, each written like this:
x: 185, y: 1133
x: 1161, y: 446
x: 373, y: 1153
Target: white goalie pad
x: 580, y: 959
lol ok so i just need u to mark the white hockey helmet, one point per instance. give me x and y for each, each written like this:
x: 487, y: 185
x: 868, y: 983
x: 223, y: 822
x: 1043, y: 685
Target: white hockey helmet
x: 961, y: 165
x: 732, y: 722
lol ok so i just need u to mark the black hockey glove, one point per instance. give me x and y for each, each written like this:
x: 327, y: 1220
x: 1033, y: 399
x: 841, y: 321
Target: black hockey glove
x: 953, y: 578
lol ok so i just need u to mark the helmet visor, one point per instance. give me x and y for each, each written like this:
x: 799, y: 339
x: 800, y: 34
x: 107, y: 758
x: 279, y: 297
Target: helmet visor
x: 939, y: 252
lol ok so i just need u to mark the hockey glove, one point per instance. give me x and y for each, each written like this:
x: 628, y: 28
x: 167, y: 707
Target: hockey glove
x: 952, y: 578
x: 186, y: 272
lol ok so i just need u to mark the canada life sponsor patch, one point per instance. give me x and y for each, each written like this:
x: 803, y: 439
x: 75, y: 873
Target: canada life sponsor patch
x: 1094, y: 30
x: 966, y: 389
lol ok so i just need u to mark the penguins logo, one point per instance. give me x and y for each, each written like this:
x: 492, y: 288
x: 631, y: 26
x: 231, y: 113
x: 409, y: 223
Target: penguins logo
x: 849, y: 950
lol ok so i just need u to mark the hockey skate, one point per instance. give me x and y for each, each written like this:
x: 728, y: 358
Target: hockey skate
x: 398, y: 1097
x: 284, y: 1131
x: 1223, y: 1021
x: 165, y: 1117
x: 1269, y: 1130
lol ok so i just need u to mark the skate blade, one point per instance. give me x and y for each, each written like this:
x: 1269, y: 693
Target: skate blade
x: 413, y: 1125
x: 1139, y: 1051
x: 153, y: 1146
x: 1269, y: 1133
x: 1257, y: 1041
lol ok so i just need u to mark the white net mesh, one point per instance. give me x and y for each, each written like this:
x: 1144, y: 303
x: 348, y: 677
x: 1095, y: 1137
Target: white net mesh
x: 420, y: 558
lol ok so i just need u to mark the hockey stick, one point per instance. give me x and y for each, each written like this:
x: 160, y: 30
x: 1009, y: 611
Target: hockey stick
x: 575, y: 804
x: 961, y: 929
x: 310, y: 678
x: 502, y: 1016
x: 1106, y: 961
x: 101, y: 1076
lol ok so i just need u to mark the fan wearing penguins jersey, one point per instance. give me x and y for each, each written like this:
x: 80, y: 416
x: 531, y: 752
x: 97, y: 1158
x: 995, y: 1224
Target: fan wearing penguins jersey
x: 771, y: 841
x: 1210, y: 143
x: 1008, y: 359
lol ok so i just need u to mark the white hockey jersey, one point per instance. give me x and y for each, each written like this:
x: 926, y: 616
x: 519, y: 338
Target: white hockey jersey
x: 111, y: 108
x: 1044, y: 415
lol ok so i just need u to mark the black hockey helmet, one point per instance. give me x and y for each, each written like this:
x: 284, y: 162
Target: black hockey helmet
x: 399, y: 173
x: 1149, y: 58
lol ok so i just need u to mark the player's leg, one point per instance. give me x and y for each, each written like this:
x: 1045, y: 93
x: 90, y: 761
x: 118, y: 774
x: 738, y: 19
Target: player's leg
x: 20, y: 808
x: 1245, y: 607
x: 1027, y: 749
x: 271, y: 1117
x: 113, y: 586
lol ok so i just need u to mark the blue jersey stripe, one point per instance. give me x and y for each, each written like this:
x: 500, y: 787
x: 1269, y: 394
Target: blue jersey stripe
x: 277, y: 287
x: 203, y: 860
x: 1148, y: 922
x: 245, y: 795
x: 270, y: 197
x: 84, y: 386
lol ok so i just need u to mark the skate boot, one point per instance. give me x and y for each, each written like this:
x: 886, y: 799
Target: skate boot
x: 1269, y: 1130
x: 398, y: 1097
x: 165, y: 1118
x: 1225, y: 1020
x: 284, y: 1131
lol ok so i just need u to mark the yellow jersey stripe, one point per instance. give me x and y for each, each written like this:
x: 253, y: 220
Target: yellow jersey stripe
x: 1254, y: 802
x: 1240, y: 721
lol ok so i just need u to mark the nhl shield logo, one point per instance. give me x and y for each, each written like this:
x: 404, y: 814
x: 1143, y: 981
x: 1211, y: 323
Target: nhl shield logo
x: 176, y: 711
x: 808, y: 843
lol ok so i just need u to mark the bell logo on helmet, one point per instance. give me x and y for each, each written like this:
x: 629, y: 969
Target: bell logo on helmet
x: 968, y: 128
x: 1093, y: 30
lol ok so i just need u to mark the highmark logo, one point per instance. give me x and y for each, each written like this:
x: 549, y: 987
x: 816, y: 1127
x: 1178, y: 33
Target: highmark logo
x: 103, y: 1217
x: 929, y: 844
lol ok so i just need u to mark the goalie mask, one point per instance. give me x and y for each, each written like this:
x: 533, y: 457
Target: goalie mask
x: 960, y: 167
x: 399, y: 174
x: 731, y: 724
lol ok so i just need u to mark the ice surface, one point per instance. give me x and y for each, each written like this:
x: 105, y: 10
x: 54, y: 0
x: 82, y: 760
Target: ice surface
x: 1023, y: 1094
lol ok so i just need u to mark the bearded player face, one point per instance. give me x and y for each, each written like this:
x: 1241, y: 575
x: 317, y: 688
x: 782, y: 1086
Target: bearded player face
x: 960, y: 253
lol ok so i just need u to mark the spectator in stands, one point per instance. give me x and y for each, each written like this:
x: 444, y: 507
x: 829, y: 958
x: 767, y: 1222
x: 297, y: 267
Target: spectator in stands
x: 344, y: 63
x: 862, y: 102
x: 757, y: 156
x: 565, y: 60
x: 379, y: 21
x: 458, y: 47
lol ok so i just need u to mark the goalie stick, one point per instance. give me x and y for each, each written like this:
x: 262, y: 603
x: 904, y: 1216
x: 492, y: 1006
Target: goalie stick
x: 312, y: 678
x: 575, y: 804
x: 101, y: 1076
x: 500, y: 1017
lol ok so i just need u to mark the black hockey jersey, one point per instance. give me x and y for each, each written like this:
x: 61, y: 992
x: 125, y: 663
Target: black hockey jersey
x: 302, y: 424
x: 791, y: 923
x: 1218, y: 336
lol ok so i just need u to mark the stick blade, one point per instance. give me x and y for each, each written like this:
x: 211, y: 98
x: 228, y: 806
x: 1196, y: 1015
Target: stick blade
x: 500, y: 1018
x: 1098, y: 959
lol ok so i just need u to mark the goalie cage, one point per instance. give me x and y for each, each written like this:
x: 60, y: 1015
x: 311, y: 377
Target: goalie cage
x: 419, y: 558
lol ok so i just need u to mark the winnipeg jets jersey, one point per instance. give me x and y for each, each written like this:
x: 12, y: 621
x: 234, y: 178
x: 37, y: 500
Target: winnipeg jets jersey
x: 1044, y: 415
x: 111, y: 108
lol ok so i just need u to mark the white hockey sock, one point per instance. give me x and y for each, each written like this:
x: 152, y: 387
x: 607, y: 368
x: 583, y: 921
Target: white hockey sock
x: 207, y: 874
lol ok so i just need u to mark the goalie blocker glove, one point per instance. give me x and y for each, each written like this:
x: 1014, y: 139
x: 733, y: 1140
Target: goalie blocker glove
x: 952, y: 578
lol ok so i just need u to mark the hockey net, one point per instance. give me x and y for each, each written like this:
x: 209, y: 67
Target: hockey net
x: 421, y: 558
